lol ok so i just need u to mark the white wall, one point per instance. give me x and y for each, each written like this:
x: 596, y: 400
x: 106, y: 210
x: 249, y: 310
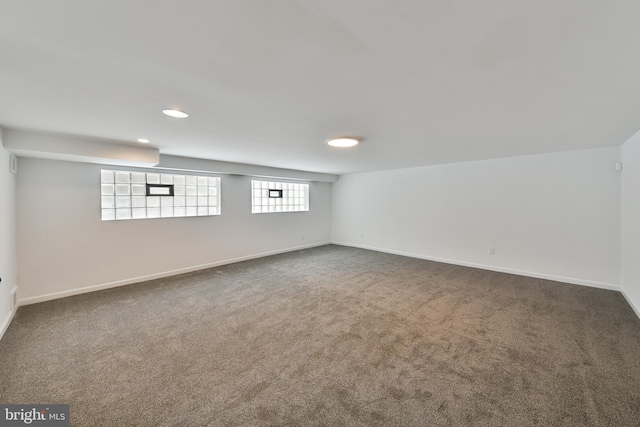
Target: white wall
x: 64, y: 248
x: 631, y: 221
x: 8, y: 269
x: 554, y: 216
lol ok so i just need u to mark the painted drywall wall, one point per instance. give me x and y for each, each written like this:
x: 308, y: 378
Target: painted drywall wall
x: 553, y: 216
x: 631, y: 221
x: 64, y: 248
x: 8, y: 269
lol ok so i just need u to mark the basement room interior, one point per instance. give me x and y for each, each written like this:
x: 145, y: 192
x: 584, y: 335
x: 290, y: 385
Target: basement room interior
x: 319, y: 213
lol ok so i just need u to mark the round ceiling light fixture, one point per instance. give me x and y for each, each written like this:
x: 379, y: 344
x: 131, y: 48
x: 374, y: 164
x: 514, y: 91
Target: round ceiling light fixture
x: 343, y: 142
x: 176, y: 113
x: 143, y: 140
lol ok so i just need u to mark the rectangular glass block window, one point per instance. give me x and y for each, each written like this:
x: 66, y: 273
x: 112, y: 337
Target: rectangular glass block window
x: 138, y: 178
x: 124, y: 195
x: 272, y: 196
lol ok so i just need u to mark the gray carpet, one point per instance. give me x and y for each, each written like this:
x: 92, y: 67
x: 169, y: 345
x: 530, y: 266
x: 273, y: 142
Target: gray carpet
x: 331, y: 336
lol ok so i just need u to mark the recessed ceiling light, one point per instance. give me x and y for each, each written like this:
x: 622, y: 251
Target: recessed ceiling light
x: 343, y: 142
x: 176, y: 113
x: 143, y: 140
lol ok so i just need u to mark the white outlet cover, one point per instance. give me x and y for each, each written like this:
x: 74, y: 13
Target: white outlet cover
x: 13, y: 164
x: 13, y: 301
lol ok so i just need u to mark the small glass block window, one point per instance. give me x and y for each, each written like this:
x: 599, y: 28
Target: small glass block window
x: 272, y: 196
x: 125, y: 195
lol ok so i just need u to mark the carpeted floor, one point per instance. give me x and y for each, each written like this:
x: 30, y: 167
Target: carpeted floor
x: 331, y: 336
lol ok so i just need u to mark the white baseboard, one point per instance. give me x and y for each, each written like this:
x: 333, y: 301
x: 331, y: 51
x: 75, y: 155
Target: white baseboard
x: 86, y: 289
x: 635, y: 309
x: 563, y: 279
x: 93, y: 288
x: 7, y: 322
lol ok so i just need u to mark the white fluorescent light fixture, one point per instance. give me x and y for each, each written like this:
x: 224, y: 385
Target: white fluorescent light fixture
x: 176, y: 113
x: 143, y: 140
x: 343, y: 142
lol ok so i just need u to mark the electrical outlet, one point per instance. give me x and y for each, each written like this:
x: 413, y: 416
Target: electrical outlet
x: 492, y: 251
x: 302, y: 238
x: 362, y: 235
x: 13, y: 300
x: 13, y: 164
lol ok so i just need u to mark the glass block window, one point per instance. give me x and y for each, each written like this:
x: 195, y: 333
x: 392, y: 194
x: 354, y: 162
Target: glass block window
x: 271, y: 196
x: 137, y: 195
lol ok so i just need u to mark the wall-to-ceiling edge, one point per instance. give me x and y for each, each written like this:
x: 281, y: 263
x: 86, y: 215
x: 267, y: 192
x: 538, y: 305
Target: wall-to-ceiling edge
x: 72, y: 148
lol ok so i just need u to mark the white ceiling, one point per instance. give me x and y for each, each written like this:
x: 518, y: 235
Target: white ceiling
x: 267, y: 82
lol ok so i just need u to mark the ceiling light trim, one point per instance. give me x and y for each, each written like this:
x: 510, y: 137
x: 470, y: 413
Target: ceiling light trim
x: 343, y: 142
x: 175, y: 113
